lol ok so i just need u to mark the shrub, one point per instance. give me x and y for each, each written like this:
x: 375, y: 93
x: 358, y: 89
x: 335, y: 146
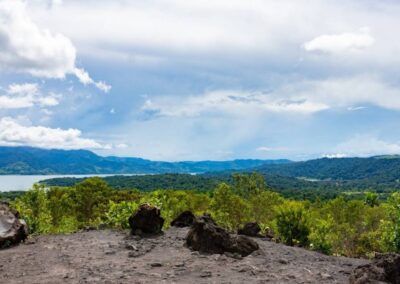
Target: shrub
x: 292, y: 224
x: 119, y: 213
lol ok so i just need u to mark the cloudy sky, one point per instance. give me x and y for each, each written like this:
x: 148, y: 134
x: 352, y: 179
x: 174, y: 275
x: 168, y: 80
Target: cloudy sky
x: 192, y: 80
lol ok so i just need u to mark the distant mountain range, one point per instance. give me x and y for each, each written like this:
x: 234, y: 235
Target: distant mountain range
x: 379, y: 167
x: 28, y: 160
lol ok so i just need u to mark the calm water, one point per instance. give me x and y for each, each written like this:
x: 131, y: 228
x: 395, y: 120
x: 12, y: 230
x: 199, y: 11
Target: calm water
x: 18, y: 182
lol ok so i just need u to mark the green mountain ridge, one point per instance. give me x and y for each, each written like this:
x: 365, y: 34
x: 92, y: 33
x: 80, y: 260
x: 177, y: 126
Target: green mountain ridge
x: 33, y: 161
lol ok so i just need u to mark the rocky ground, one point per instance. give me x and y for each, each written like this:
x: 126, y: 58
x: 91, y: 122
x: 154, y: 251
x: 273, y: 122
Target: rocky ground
x: 107, y: 256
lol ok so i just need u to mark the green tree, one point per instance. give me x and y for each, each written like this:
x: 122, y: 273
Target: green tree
x: 229, y: 209
x: 91, y: 198
x: 371, y: 198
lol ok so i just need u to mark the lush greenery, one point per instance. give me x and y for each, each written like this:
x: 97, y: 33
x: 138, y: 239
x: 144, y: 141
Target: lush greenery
x: 337, y: 226
x: 380, y: 172
x: 28, y: 160
x: 288, y: 187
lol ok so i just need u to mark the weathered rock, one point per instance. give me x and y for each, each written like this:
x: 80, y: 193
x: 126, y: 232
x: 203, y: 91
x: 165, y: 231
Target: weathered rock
x: 250, y: 229
x: 385, y: 268
x: 206, y: 236
x: 185, y: 219
x: 146, y: 221
x: 12, y: 229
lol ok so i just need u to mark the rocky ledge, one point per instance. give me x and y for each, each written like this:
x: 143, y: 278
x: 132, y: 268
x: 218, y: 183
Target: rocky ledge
x: 107, y: 256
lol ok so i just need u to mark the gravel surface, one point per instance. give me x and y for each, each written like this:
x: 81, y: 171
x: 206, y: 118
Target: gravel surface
x: 107, y: 256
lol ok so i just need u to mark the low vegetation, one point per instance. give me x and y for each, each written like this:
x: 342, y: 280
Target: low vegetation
x: 337, y: 226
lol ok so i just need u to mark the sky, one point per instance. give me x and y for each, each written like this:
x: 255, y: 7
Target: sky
x: 202, y: 80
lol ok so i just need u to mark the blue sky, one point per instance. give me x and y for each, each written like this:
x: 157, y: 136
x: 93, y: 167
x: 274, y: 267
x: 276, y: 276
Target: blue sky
x: 193, y: 80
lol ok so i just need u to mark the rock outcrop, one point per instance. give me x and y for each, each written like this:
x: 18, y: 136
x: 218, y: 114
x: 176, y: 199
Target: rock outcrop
x: 12, y: 229
x: 250, y: 229
x: 146, y: 221
x: 185, y: 219
x: 206, y: 236
x: 385, y: 268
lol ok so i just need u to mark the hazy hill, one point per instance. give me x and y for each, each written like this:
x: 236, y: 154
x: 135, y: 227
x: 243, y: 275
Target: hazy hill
x: 28, y: 160
x: 383, y: 168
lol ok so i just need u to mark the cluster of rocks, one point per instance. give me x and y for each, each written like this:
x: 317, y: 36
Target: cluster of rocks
x: 12, y: 229
x: 204, y: 234
x: 385, y: 268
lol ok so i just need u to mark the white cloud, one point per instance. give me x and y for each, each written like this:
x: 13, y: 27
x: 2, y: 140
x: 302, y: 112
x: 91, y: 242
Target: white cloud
x: 234, y: 102
x: 367, y: 145
x: 355, y: 108
x: 339, y: 43
x: 26, y: 48
x: 12, y: 133
x: 304, y: 97
x: 21, y: 89
x: 85, y: 79
x: 26, y: 95
x: 334, y: 156
x: 263, y: 149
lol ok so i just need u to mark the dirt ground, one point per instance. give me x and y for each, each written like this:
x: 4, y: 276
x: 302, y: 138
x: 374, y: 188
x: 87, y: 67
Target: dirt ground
x: 107, y: 256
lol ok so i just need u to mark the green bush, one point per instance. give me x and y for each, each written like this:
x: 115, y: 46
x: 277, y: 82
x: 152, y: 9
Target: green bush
x: 292, y: 224
x: 118, y: 213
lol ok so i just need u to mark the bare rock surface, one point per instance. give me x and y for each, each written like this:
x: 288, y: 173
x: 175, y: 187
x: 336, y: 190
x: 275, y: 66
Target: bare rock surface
x: 12, y: 229
x: 107, y: 256
x: 385, y: 268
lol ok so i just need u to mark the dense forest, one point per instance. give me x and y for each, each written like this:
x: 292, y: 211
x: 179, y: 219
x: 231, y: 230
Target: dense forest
x: 288, y: 187
x: 337, y: 226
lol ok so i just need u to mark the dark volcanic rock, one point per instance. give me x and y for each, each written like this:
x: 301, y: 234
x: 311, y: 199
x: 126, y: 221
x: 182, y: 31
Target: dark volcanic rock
x: 250, y: 229
x: 206, y: 236
x: 185, y: 219
x: 385, y: 268
x: 146, y: 220
x: 12, y: 229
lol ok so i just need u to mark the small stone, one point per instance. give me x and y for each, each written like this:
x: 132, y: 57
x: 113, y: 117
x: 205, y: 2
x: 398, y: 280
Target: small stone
x: 205, y: 274
x: 156, y: 264
x: 283, y: 261
x: 131, y: 247
x: 326, y: 276
x: 110, y: 252
x: 133, y: 254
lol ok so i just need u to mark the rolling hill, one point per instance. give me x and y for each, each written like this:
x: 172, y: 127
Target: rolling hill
x: 28, y: 160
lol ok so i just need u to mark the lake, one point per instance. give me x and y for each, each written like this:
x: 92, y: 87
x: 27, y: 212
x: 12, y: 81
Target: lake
x: 25, y: 182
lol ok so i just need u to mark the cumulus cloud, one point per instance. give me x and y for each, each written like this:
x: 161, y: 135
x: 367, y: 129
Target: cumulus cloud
x: 339, y: 43
x: 26, y: 48
x: 12, y: 133
x: 26, y: 95
x: 367, y: 145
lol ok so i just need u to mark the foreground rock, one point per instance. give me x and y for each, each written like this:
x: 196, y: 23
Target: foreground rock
x: 146, y: 221
x: 206, y: 236
x: 385, y: 268
x: 250, y: 229
x: 12, y: 229
x: 185, y: 219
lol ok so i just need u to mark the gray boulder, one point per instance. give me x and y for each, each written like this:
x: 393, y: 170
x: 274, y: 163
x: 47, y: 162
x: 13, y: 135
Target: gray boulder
x: 385, y: 268
x: 12, y: 229
x: 146, y: 220
x: 206, y: 236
